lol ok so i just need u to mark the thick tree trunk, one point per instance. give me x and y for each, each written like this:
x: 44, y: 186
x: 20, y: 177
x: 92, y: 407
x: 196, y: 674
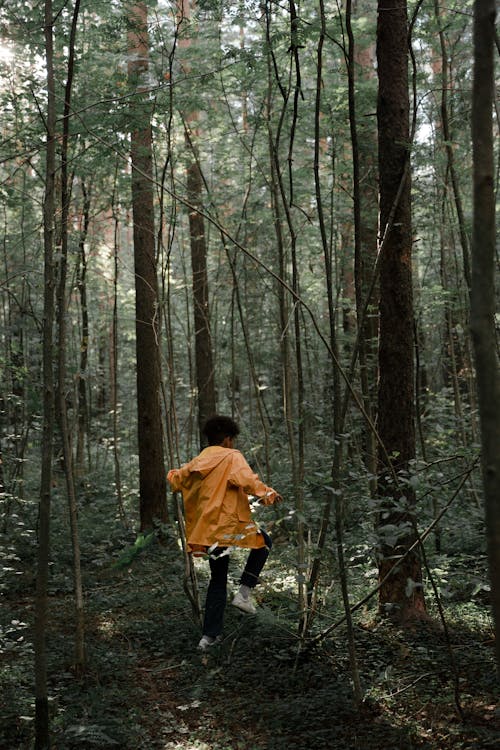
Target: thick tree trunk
x: 401, y: 596
x: 152, y: 479
x: 483, y: 288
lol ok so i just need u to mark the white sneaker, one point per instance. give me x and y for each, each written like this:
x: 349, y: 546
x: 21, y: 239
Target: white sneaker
x: 245, y: 604
x: 207, y: 641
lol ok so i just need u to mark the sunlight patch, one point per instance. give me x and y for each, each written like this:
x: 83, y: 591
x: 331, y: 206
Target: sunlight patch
x: 107, y: 626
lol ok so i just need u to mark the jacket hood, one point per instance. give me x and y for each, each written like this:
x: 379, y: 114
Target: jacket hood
x: 209, y: 458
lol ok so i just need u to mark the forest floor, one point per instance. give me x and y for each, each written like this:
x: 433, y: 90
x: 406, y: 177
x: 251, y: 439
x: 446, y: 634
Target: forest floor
x: 147, y: 686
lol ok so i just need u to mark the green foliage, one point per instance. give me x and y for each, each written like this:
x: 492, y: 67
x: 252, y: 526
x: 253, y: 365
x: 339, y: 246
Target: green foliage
x: 147, y: 687
x: 128, y: 556
x: 140, y: 634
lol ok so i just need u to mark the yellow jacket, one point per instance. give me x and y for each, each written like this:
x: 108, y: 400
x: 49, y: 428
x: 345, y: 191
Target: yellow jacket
x: 215, y: 487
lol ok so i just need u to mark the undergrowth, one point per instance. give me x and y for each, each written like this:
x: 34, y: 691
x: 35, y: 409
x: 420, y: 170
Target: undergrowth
x: 146, y: 685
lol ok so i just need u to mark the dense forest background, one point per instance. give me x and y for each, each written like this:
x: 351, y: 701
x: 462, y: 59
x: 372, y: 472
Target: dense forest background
x: 266, y: 210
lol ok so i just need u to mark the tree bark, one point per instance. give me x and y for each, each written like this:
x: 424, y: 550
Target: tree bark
x: 202, y: 335
x: 61, y: 360
x: 152, y: 479
x: 483, y: 288
x: 42, y: 725
x: 84, y: 339
x: 113, y: 364
x: 282, y: 200
x: 204, y: 366
x: 401, y: 596
x: 365, y: 250
x: 464, y: 241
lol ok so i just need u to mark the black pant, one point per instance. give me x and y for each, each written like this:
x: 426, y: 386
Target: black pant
x: 217, y: 588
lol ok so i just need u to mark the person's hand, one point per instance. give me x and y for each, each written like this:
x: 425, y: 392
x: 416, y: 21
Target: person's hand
x: 173, y: 478
x: 270, y: 498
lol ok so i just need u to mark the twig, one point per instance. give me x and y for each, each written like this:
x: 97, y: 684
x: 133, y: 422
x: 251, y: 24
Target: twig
x: 418, y: 542
x: 407, y: 687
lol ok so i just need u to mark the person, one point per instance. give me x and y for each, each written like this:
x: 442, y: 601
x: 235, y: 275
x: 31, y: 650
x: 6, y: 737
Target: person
x: 215, y: 486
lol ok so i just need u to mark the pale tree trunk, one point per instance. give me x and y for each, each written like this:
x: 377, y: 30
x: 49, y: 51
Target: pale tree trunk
x: 42, y: 724
x: 152, y: 478
x: 401, y: 595
x: 205, y: 380
x: 101, y: 382
x: 244, y: 94
x: 113, y: 363
x: 483, y: 288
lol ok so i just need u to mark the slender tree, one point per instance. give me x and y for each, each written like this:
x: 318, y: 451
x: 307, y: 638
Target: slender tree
x: 447, y: 137
x: 113, y: 359
x: 152, y: 480
x: 81, y: 280
x: 401, y: 595
x: 483, y: 287
x: 456, y: 358
x: 42, y: 727
x: 282, y: 200
x: 364, y: 138
x: 204, y: 366
x: 61, y: 400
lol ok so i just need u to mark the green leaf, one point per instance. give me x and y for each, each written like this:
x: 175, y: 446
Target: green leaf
x: 131, y: 553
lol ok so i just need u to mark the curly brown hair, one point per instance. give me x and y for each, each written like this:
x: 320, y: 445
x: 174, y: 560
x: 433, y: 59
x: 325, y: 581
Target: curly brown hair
x: 218, y: 427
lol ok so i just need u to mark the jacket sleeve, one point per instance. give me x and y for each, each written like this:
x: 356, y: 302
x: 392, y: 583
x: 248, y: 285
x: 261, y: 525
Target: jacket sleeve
x: 241, y: 475
x: 176, y: 477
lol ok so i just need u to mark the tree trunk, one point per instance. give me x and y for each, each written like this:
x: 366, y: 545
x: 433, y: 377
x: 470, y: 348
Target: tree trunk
x: 152, y: 479
x: 282, y: 200
x: 483, y: 288
x: 455, y: 359
x: 367, y: 289
x: 401, y: 596
x: 84, y: 340
x: 42, y: 728
x: 113, y: 366
x: 61, y: 361
x: 202, y: 336
x: 449, y: 149
x: 205, y: 380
